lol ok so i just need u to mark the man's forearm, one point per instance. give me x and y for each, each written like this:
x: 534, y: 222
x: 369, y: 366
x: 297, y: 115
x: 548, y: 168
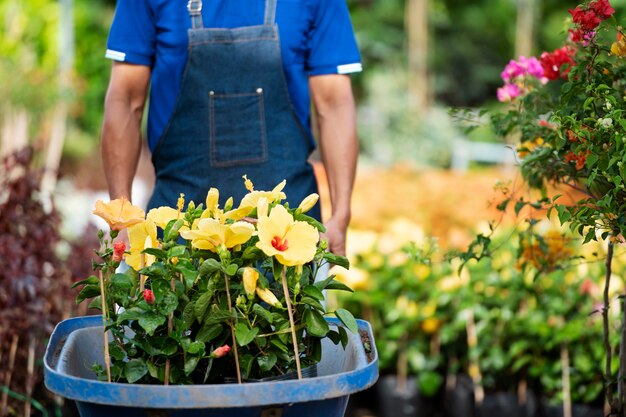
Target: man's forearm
x: 121, y: 130
x: 120, y: 148
x: 339, y: 149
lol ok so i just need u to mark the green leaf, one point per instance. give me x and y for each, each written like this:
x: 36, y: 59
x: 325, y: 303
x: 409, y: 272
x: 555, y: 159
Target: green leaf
x: 267, y: 362
x: 135, y: 369
x: 158, y: 253
x: 337, y: 260
x: 315, y: 323
x: 169, y: 303
x: 95, y: 303
x: 336, y: 285
x: 208, y: 333
x: 209, y: 267
x: 188, y: 316
x: 263, y: 312
x: 244, y: 334
x: 344, y: 336
x: 93, y: 280
x: 313, y: 303
x: 155, y: 371
x: 191, y: 363
x: 280, y: 345
x: 347, y: 319
x: 171, y: 231
x: 150, y: 321
x: 176, y: 251
x: 202, y: 304
x: 88, y: 291
x: 313, y: 292
x: 231, y: 270
x: 196, y: 348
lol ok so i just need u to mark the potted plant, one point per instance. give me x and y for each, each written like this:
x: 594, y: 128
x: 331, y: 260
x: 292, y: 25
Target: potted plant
x: 566, y: 109
x: 395, y: 276
x: 214, y: 297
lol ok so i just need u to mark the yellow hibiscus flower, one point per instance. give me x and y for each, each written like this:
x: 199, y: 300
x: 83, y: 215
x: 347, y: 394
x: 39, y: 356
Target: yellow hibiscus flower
x: 211, y: 233
x: 119, y: 213
x: 141, y: 236
x: 163, y: 215
x: 251, y: 200
x: 291, y: 242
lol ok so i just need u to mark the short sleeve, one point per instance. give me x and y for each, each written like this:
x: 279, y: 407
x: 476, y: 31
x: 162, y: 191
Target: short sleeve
x: 133, y: 33
x: 332, y: 45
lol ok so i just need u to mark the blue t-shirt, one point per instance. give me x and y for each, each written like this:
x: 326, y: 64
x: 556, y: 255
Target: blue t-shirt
x: 316, y: 37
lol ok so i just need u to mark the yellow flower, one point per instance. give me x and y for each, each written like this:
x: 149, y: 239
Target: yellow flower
x: 250, y: 277
x: 119, y: 213
x: 251, y: 200
x: 355, y: 278
x: 163, y: 215
x: 291, y: 242
x: 431, y: 325
x: 619, y: 48
x: 266, y: 295
x: 141, y: 236
x: 308, y: 202
x: 211, y: 233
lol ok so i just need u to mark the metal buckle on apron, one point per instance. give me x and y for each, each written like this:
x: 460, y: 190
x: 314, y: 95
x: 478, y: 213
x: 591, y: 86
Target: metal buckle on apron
x: 194, y: 7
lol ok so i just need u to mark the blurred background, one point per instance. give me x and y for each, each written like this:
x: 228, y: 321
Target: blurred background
x: 491, y: 339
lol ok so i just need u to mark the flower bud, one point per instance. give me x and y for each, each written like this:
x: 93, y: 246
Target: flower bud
x: 266, y: 295
x: 148, y: 295
x: 118, y: 251
x: 250, y: 277
x: 220, y: 351
x: 229, y: 204
x: 308, y: 202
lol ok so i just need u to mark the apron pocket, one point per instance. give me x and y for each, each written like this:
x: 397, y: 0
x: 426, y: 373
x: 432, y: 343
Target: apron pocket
x: 237, y: 134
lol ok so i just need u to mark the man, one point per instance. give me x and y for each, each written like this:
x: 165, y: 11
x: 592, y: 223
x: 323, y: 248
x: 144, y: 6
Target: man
x: 228, y: 99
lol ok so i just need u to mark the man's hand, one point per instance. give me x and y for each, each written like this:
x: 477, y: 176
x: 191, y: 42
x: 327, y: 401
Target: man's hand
x: 336, y: 236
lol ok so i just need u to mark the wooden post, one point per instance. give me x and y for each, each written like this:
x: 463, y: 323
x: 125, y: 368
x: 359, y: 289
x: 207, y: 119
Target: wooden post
x: 59, y: 122
x: 416, y: 23
x: 525, y: 26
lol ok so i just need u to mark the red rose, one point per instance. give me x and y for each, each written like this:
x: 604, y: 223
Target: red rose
x: 148, y: 295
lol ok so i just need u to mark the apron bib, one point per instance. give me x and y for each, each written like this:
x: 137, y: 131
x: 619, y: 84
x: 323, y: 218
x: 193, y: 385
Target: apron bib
x: 233, y: 117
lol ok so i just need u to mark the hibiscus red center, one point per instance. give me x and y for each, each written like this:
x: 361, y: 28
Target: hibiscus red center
x: 280, y: 244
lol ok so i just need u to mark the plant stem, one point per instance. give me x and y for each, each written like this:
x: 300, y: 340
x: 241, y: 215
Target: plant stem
x: 291, y: 323
x: 9, y: 374
x: 403, y: 364
x: 605, y: 330
x: 232, y: 330
x: 105, y: 311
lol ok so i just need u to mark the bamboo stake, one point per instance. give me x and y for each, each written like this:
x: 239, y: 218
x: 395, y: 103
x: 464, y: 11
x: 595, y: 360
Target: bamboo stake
x: 170, y: 325
x: 472, y: 343
x: 232, y: 330
x: 30, y: 368
x: 402, y: 364
x: 565, y: 376
x: 7, y: 377
x: 291, y: 323
x: 103, y: 304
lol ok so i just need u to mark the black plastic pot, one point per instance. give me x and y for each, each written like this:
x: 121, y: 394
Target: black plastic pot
x: 395, y: 400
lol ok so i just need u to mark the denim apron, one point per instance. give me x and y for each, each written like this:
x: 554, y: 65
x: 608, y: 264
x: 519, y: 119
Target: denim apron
x: 233, y: 117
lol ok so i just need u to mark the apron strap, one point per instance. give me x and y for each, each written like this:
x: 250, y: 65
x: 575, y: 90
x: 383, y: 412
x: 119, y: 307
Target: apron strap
x: 270, y: 12
x: 195, y: 12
